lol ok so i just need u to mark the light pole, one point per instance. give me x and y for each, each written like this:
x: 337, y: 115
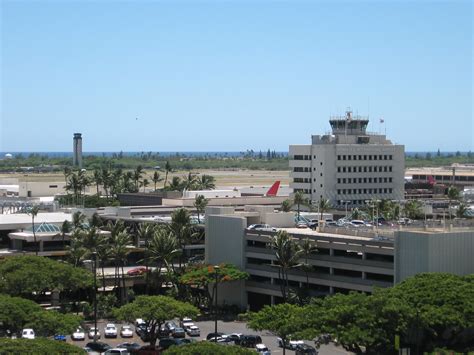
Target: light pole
x: 94, y: 255
x: 216, y: 274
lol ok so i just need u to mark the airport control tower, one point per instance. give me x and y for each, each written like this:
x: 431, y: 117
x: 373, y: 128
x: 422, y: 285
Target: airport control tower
x: 77, y: 150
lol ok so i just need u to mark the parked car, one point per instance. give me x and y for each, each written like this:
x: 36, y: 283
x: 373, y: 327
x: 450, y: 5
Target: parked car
x: 28, y: 333
x: 60, y: 337
x: 305, y: 349
x: 301, y: 225
x: 110, y: 331
x: 301, y: 222
x: 179, y: 332
x: 98, y: 346
x: 249, y: 341
x: 79, y: 334
x: 117, y: 351
x: 357, y: 223
x: 139, y: 322
x: 171, y: 325
x: 143, y: 333
x: 92, y: 333
x: 126, y: 331
x: 235, y: 337
x: 137, y: 271
x: 290, y: 344
x: 262, y: 227
x: 193, y: 331
x: 215, y: 335
x: 129, y: 346
x: 262, y: 349
x: 405, y: 221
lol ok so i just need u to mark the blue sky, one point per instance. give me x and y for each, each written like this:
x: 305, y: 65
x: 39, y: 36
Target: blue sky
x: 232, y: 75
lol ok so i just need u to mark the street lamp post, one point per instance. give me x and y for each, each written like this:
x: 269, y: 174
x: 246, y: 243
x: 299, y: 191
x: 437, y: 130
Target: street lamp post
x: 216, y: 274
x: 94, y: 255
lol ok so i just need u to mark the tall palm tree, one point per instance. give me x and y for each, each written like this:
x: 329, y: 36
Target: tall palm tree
x: 74, y: 184
x: 103, y: 250
x: 181, y: 228
x: 145, y: 183
x: 287, y: 254
x: 175, y: 184
x: 206, y: 182
x: 77, y: 252
x: 298, y: 200
x: 65, y: 228
x: 164, y: 248
x: 137, y: 175
x: 453, y: 195
x: 189, y: 182
x: 324, y: 206
x: 33, y: 212
x: 97, y: 178
x: 412, y: 209
x: 145, y: 232
x: 308, y: 246
x: 462, y: 209
x: 119, y: 249
x: 95, y: 221
x: 106, y: 180
x: 200, y: 203
x: 168, y: 169
x: 78, y: 219
x: 156, y: 178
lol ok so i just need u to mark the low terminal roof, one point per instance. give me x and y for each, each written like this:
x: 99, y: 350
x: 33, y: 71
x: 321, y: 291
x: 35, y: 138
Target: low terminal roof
x: 23, y: 220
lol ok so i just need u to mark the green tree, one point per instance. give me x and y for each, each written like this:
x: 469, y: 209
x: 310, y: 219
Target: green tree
x: 324, y: 205
x: 453, y: 195
x: 145, y: 232
x: 65, y: 229
x: 37, y: 346
x: 308, y: 246
x: 168, y: 169
x: 17, y: 313
x: 32, y: 276
x: 298, y: 200
x: 182, y: 229
x: 202, y: 276
x: 283, y: 320
x: 78, y: 220
x: 33, y: 212
x: 286, y: 206
x: 413, y: 209
x: 206, y: 348
x: 287, y: 254
x: 462, y: 209
x: 200, y: 203
x: 145, y: 183
x: 120, y: 247
x: 97, y: 179
x: 206, y: 182
x: 155, y: 311
x: 156, y: 178
x: 137, y: 176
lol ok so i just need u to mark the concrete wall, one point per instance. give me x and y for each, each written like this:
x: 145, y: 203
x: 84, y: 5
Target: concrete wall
x: 225, y: 244
x: 417, y: 252
x: 279, y: 219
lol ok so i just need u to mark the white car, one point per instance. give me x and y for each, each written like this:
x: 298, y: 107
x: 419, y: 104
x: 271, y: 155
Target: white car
x: 186, y: 325
x: 118, y: 351
x: 92, y: 333
x: 290, y: 344
x: 262, y: 349
x: 28, y: 333
x: 193, y: 331
x: 126, y: 331
x: 79, y: 334
x: 139, y: 322
x: 110, y: 331
x: 262, y: 227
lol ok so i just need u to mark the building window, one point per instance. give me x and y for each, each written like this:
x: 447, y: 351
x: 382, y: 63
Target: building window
x: 390, y: 190
x: 389, y: 179
x: 338, y: 157
x: 338, y: 192
x: 321, y: 163
x: 53, y: 186
x: 314, y: 180
x: 344, y: 181
x: 343, y: 157
x: 390, y: 157
x: 349, y: 157
x: 298, y: 157
x: 370, y: 180
x: 338, y: 180
x: 375, y: 157
x: 321, y: 174
x: 370, y: 169
x: 321, y: 185
x: 360, y: 180
x: 348, y: 169
x: 343, y: 169
x: 360, y: 157
x: 338, y: 169
x: 365, y: 169
x: 390, y: 168
x: 360, y: 169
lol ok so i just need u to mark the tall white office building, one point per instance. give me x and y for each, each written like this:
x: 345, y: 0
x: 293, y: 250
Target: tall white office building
x: 348, y: 166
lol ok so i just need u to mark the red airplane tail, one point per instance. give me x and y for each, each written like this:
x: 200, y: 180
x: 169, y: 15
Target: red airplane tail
x: 273, y: 189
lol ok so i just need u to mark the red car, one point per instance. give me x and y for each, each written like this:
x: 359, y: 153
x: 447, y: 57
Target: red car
x: 137, y: 271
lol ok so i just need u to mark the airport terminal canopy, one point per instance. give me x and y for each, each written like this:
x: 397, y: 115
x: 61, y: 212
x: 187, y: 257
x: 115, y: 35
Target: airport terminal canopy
x: 45, y: 228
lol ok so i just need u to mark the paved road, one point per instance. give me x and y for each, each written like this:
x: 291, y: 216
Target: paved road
x: 207, y: 327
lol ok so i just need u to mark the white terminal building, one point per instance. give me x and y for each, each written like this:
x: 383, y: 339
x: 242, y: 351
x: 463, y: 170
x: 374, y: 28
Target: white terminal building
x: 348, y: 166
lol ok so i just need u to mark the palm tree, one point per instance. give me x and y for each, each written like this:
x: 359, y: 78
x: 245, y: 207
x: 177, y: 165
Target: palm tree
x: 156, y: 178
x: 181, y: 228
x: 324, y: 205
x: 77, y: 252
x: 206, y: 182
x: 298, y: 200
x: 145, y: 232
x: 286, y: 206
x: 74, y: 184
x: 168, y: 169
x: 78, y: 219
x: 106, y: 180
x: 308, y: 246
x: 96, y: 221
x: 137, y: 175
x: 453, y: 194
x: 287, y: 254
x: 462, y: 209
x: 164, y: 248
x: 356, y: 213
x: 175, y: 184
x: 189, y: 182
x: 145, y: 183
x: 97, y: 178
x: 33, y: 212
x: 65, y: 228
x: 200, y: 203
x: 413, y: 209
x: 119, y: 248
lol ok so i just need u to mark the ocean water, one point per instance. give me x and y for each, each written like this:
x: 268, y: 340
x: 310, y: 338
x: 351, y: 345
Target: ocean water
x: 131, y: 154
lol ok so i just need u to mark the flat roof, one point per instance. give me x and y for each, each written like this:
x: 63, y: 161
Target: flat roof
x: 23, y: 220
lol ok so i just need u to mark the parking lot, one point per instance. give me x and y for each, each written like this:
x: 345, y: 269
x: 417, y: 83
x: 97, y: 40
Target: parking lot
x: 207, y: 327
